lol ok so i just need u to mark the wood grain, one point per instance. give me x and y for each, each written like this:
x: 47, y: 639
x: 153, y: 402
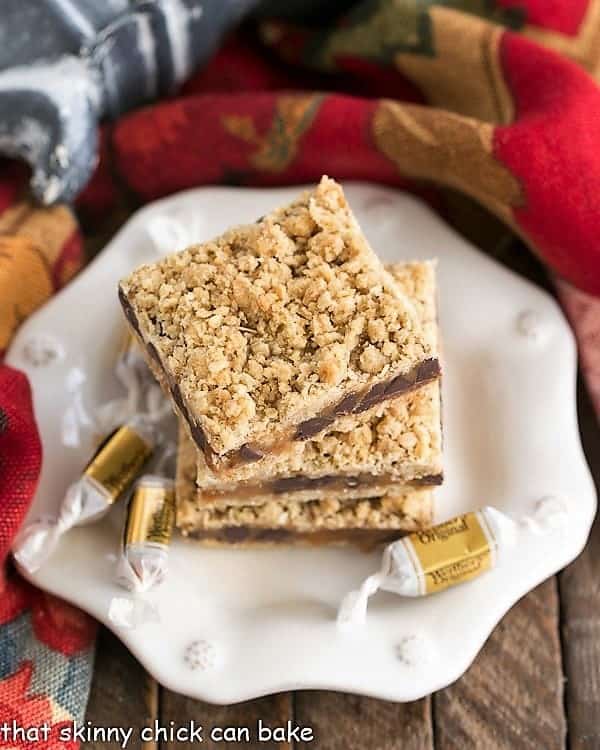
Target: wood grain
x: 273, y: 710
x: 151, y: 693
x: 512, y: 696
x: 122, y: 693
x: 349, y: 722
x: 580, y: 603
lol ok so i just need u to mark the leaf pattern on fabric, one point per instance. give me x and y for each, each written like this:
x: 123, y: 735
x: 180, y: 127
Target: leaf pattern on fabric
x: 449, y: 149
x: 279, y: 145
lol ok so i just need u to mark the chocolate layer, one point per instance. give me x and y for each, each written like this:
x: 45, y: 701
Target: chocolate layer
x: 244, y: 491
x: 335, y: 481
x: 355, y: 403
x: 424, y: 372
x: 129, y: 312
x: 195, y: 429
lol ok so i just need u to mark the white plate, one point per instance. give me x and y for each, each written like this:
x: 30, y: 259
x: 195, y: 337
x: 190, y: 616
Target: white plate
x: 239, y: 624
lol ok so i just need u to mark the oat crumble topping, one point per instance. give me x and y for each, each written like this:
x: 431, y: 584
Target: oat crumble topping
x: 270, y: 323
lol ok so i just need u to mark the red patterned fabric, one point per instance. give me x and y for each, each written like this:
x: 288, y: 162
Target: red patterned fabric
x: 497, y: 99
x: 46, y: 646
x: 21, y: 453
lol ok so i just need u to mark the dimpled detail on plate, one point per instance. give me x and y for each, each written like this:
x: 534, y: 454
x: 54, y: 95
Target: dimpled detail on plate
x: 530, y: 325
x: 42, y: 350
x: 201, y: 656
x: 413, y: 650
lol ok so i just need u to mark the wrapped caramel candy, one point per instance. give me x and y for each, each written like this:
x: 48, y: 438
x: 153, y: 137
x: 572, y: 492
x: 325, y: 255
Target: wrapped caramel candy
x: 459, y: 550
x: 107, y: 478
x: 139, y: 414
x: 150, y: 518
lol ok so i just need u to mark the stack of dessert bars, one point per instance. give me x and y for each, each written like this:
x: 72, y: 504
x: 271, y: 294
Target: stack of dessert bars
x: 305, y: 376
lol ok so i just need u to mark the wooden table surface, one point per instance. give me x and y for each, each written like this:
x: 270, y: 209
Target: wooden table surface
x: 534, y: 685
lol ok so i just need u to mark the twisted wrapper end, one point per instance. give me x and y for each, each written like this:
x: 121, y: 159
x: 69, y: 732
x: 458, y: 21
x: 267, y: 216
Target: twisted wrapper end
x: 142, y: 570
x: 550, y: 514
x: 36, y: 541
x: 353, y: 609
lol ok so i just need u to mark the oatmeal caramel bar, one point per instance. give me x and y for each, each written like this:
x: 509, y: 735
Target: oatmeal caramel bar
x: 359, y: 455
x: 267, y: 334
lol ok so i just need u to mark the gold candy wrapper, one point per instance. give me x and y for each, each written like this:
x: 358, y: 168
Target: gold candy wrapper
x: 118, y: 462
x: 107, y: 478
x: 451, y: 553
x: 150, y: 519
x: 454, y: 552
